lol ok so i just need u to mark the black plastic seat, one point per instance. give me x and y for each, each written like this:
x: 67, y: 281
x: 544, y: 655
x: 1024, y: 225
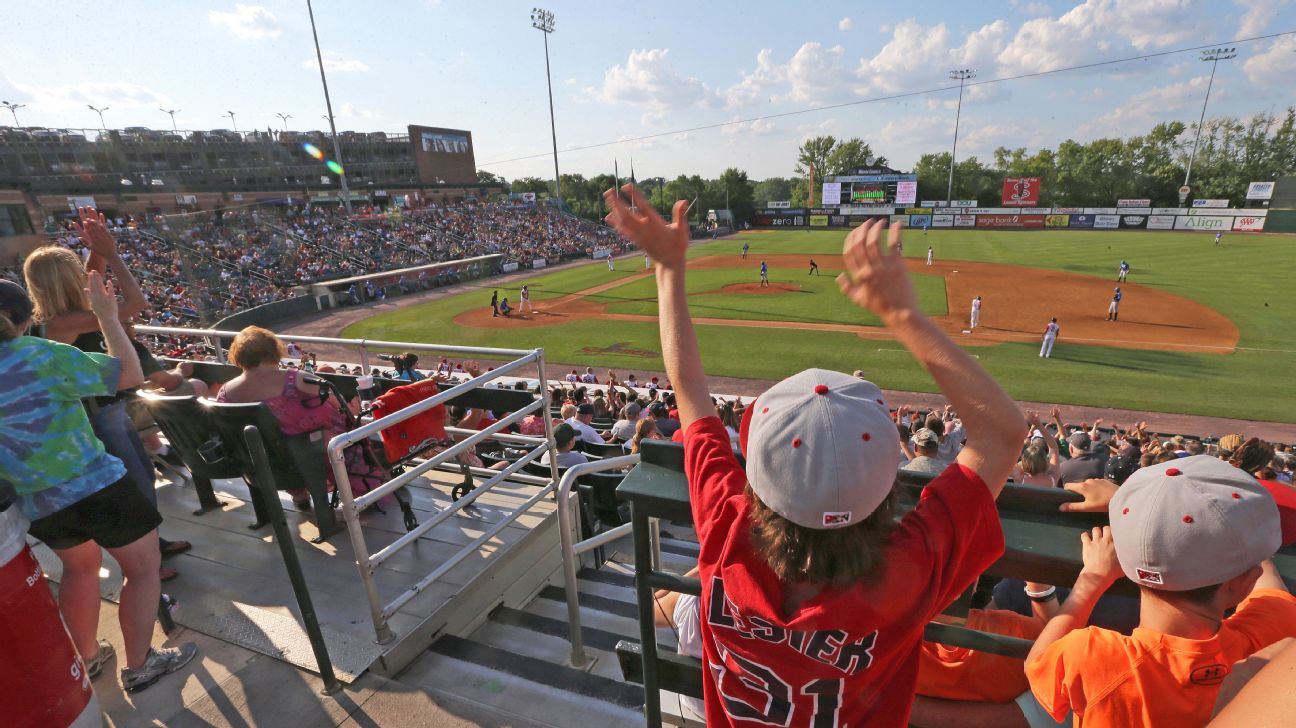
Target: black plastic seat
x: 295, y: 462
x: 187, y: 425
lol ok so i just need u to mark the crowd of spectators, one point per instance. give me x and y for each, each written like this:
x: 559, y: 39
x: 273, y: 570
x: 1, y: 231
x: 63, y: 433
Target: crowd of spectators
x: 198, y: 268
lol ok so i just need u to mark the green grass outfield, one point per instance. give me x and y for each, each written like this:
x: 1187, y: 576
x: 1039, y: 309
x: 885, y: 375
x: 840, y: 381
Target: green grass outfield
x: 1238, y: 278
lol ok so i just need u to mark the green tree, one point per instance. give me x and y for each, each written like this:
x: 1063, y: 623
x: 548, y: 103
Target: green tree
x: 773, y: 189
x: 532, y: 184
x: 852, y: 154
x: 734, y: 185
x: 814, y: 153
x: 487, y: 178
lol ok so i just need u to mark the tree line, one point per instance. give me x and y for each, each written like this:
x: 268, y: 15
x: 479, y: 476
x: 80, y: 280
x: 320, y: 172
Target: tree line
x: 1231, y: 154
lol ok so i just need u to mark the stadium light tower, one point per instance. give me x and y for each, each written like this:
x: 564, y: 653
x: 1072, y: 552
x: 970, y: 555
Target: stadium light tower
x: 13, y: 109
x: 962, y: 74
x: 233, y: 123
x: 284, y: 118
x: 543, y: 21
x: 1214, y: 55
x: 172, y: 113
x: 99, y: 111
x: 328, y: 104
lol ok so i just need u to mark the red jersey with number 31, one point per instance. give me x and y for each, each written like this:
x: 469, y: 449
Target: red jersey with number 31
x: 846, y: 657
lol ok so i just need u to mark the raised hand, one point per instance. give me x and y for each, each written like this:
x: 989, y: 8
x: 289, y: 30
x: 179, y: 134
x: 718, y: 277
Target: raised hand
x: 665, y: 244
x: 1055, y: 412
x: 1097, y: 494
x: 1033, y: 419
x: 102, y: 297
x: 1098, y: 553
x: 92, y: 228
x: 875, y: 276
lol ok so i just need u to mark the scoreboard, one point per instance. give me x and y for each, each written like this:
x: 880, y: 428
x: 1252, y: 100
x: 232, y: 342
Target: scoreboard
x: 871, y: 189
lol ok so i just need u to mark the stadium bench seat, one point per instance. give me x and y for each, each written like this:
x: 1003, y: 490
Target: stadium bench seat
x: 187, y: 425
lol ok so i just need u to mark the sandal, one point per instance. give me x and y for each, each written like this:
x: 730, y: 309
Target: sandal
x: 171, y: 548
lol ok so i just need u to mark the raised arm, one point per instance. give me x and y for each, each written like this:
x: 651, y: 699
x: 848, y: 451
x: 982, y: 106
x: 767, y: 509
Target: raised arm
x: 1055, y: 457
x: 103, y: 302
x: 876, y: 279
x: 93, y: 229
x: 1100, y: 571
x: 666, y: 245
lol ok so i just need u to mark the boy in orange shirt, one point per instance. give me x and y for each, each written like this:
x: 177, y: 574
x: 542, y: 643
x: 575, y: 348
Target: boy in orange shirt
x: 1196, y: 535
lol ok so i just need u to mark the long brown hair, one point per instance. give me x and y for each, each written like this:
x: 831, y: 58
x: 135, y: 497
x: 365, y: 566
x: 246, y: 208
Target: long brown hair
x: 834, y: 556
x: 56, y: 282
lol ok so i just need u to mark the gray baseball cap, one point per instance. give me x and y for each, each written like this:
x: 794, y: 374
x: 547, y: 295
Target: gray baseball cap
x: 1192, y: 522
x: 821, y: 448
x: 1079, y: 440
x: 925, y: 436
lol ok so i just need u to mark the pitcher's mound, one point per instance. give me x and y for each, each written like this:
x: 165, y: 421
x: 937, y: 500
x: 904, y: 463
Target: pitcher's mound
x: 759, y: 289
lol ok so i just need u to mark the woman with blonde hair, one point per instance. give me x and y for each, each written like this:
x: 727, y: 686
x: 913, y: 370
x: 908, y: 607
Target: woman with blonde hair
x: 646, y: 429
x: 1040, y: 462
x: 77, y: 496
x: 56, y: 282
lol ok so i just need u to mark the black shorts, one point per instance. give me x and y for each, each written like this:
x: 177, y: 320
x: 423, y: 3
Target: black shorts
x: 113, y: 517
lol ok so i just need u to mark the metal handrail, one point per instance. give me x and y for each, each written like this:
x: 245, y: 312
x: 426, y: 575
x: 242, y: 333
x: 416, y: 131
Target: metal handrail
x: 569, y: 549
x: 351, y: 505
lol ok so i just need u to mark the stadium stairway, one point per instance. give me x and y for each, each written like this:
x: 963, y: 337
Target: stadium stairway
x: 516, y: 664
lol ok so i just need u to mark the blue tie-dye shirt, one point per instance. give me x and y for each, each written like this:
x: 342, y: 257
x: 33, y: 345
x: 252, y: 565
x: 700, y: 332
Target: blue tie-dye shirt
x: 49, y: 454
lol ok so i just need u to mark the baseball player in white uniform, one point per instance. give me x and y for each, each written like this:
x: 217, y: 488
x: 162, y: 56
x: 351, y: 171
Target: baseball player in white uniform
x: 611, y: 265
x: 976, y: 311
x: 1050, y: 336
x: 929, y: 255
x: 1113, y: 308
x: 525, y: 297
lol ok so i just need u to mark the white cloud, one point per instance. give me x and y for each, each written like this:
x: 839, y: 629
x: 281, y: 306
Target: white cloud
x: 649, y: 80
x: 1259, y: 14
x: 249, y: 22
x: 351, y: 111
x: 116, y: 95
x: 757, y: 127
x: 754, y: 86
x: 816, y: 74
x: 1275, y: 66
x: 1137, y: 113
x: 336, y: 63
x: 923, y: 55
x: 845, y: 24
x: 1030, y: 8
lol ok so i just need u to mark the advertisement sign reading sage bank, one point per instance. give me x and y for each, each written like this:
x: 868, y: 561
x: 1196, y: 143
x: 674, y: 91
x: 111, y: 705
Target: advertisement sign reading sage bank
x: 443, y: 156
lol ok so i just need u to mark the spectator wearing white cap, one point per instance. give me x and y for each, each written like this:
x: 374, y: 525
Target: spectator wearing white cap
x: 807, y: 581
x: 1196, y: 535
x: 926, y: 450
x: 580, y: 422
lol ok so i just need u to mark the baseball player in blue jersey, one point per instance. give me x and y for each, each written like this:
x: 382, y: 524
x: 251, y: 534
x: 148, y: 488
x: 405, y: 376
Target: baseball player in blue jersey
x: 764, y: 271
x: 1113, y: 309
x: 1122, y: 272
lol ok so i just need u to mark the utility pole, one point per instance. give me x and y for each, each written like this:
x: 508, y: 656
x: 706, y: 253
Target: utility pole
x: 13, y: 109
x: 284, y: 118
x: 962, y: 74
x: 1214, y: 55
x: 543, y: 21
x: 337, y: 149
x: 172, y: 113
x: 233, y: 123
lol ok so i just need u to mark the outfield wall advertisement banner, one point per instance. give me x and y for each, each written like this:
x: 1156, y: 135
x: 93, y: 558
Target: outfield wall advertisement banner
x: 1056, y: 221
x: 1107, y: 222
x: 1210, y: 203
x: 965, y: 220
x: 1134, y: 203
x: 1133, y: 221
x: 1080, y: 221
x: 819, y: 221
x: 1249, y: 224
x: 779, y: 204
x: 1203, y: 222
x: 920, y: 221
x: 1068, y: 210
x: 1010, y: 221
x: 1021, y: 191
x: 831, y: 193
x: 1161, y: 222
x: 942, y: 221
x: 1260, y: 191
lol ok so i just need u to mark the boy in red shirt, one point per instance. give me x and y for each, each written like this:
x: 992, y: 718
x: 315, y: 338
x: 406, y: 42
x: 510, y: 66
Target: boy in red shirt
x: 813, y: 599
x: 1196, y: 535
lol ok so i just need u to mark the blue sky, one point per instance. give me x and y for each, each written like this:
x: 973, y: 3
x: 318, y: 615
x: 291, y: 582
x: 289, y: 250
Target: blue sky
x: 622, y: 71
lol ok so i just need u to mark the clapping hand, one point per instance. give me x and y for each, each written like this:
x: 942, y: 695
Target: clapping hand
x: 92, y: 228
x: 103, y: 300
x: 875, y: 276
x: 664, y: 243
